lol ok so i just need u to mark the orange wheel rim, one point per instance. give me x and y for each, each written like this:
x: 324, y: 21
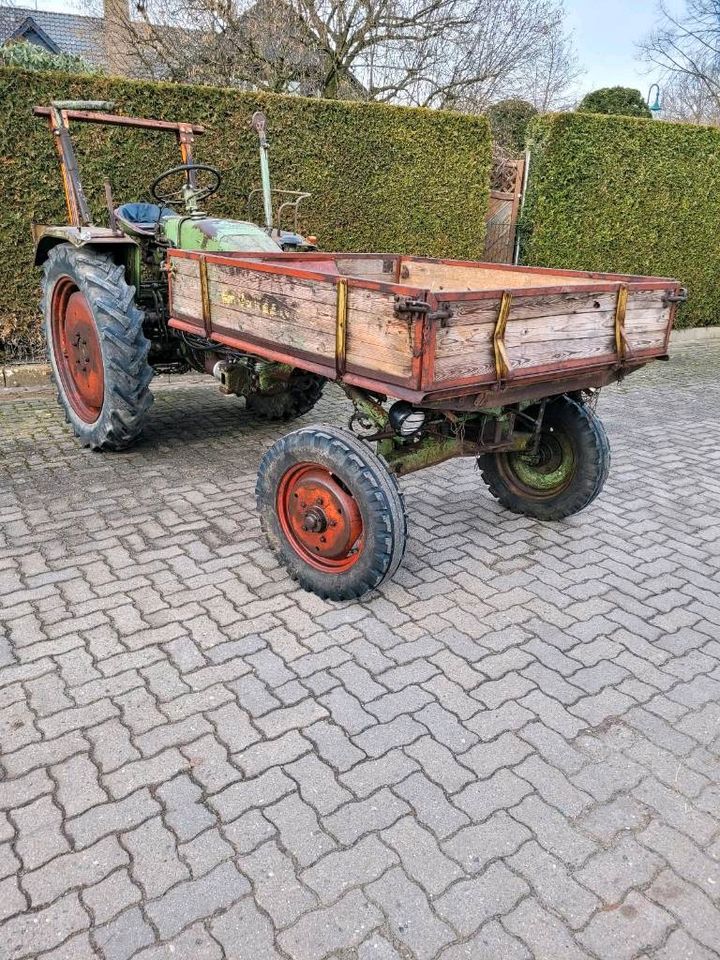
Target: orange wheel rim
x: 320, y: 518
x: 77, y: 351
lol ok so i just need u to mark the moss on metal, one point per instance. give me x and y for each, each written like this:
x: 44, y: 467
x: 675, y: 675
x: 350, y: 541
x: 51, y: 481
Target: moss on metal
x: 627, y: 195
x: 382, y: 178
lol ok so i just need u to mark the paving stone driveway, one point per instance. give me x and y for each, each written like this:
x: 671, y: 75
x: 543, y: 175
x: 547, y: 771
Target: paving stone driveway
x: 510, y: 751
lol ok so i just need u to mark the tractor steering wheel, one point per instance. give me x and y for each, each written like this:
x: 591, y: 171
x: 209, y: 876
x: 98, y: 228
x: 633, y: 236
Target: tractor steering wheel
x: 186, y: 192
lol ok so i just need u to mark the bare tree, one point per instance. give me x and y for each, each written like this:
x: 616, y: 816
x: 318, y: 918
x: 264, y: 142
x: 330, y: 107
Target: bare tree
x: 686, y: 99
x: 460, y: 54
x: 687, y: 49
x: 552, y: 76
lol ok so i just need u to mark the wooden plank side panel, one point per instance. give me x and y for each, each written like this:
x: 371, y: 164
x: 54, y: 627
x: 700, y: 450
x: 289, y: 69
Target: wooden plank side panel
x: 266, y: 306
x: 646, y: 321
x: 285, y: 311
x: 445, y: 276
x: 376, y: 338
x: 370, y: 268
x: 547, y: 330
x: 273, y: 284
x: 185, y: 300
x: 526, y: 357
x: 478, y: 363
x: 464, y: 343
x: 541, y: 305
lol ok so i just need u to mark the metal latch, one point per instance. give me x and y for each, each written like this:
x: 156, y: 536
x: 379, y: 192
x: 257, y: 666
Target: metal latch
x: 679, y: 297
x: 406, y: 305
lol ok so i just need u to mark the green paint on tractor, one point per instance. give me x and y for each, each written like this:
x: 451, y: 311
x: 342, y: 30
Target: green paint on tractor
x: 216, y: 236
x: 409, y: 457
x: 548, y: 469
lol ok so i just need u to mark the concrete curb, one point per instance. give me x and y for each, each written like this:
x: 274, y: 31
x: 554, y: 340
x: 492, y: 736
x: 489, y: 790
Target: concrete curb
x: 38, y: 374
x: 25, y: 375
x: 695, y: 335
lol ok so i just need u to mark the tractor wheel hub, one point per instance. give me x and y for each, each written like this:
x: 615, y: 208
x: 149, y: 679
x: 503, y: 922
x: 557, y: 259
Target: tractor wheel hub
x: 320, y: 516
x: 315, y: 520
x: 77, y: 350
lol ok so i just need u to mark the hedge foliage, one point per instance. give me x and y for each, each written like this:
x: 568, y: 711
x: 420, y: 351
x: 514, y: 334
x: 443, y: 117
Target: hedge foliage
x: 383, y: 178
x: 29, y: 56
x: 509, y: 120
x: 623, y: 101
x: 630, y: 196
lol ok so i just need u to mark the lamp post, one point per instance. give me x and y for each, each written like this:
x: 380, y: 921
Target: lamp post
x: 655, y: 107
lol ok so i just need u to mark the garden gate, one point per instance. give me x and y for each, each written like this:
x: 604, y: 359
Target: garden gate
x: 506, y: 188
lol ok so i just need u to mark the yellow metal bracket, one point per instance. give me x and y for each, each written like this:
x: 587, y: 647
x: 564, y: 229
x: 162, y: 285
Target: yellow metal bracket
x: 205, y: 295
x: 502, y: 361
x: 621, y: 341
x: 341, y: 326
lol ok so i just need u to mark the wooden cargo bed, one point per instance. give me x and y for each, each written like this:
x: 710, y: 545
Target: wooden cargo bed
x: 425, y: 329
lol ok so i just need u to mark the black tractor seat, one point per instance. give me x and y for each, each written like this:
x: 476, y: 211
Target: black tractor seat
x: 141, y: 218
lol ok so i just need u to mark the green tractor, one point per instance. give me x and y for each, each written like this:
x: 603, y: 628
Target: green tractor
x: 105, y: 288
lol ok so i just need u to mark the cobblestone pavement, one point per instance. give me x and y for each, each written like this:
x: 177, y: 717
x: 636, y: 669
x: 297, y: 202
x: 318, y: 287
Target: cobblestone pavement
x: 510, y: 751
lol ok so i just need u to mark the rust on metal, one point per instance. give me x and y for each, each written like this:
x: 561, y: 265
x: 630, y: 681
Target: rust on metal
x: 320, y: 518
x: 77, y: 350
x: 92, y: 116
x: 59, y: 115
x: 185, y: 141
x: 110, y: 205
x: 77, y: 206
x: 502, y: 361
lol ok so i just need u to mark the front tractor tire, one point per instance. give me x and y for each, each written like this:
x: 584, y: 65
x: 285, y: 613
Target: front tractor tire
x: 564, y: 475
x: 97, y: 349
x: 332, y: 512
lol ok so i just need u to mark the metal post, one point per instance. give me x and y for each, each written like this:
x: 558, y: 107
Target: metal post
x: 259, y: 124
x: 526, y: 173
x: 77, y: 206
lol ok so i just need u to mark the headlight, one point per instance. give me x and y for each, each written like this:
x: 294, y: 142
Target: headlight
x: 404, y: 420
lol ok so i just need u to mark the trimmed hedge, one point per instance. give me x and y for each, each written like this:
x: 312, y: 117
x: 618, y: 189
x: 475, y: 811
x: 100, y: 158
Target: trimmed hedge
x: 627, y: 195
x: 383, y: 178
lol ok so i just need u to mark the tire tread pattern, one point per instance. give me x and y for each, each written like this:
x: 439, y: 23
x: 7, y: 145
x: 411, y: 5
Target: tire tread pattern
x: 592, y: 472
x: 297, y: 399
x: 119, y: 323
x: 377, y: 486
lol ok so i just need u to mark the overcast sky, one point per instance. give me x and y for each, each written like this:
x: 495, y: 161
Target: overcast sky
x: 606, y: 33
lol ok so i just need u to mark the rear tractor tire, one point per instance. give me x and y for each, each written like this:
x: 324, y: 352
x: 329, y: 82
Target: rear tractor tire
x: 566, y: 473
x: 97, y: 349
x: 286, y: 399
x: 332, y: 512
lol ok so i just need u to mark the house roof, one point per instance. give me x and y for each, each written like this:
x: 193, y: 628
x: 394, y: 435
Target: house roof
x: 59, y: 32
x: 84, y: 36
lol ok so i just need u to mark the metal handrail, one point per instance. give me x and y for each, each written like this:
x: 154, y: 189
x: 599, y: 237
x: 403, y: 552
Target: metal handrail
x: 299, y: 196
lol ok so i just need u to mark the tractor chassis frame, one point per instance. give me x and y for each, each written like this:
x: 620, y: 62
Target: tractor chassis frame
x: 445, y: 434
